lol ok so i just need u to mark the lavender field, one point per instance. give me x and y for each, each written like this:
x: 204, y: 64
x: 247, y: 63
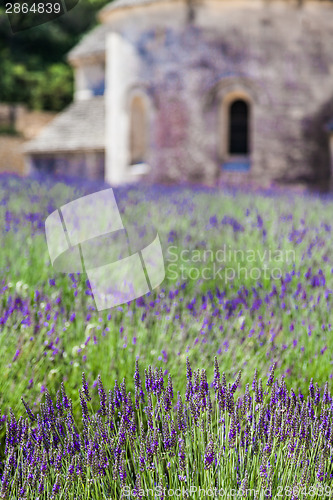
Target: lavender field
x: 218, y: 380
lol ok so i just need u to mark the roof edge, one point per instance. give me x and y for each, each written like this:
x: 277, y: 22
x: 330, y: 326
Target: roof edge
x: 123, y: 5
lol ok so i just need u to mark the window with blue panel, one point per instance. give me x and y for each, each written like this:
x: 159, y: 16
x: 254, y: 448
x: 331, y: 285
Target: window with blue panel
x: 99, y: 88
x: 237, y: 165
x: 238, y: 137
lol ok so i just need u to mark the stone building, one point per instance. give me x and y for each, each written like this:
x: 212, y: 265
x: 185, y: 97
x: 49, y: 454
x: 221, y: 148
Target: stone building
x: 330, y: 131
x: 199, y: 91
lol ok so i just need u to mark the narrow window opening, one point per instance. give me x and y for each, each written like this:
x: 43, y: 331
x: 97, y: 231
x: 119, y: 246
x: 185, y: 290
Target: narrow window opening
x: 239, y: 128
x: 138, y: 131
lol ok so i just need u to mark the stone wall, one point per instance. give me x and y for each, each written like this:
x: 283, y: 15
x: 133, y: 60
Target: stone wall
x: 77, y: 164
x: 11, y: 155
x: 331, y: 162
x: 276, y: 53
x: 27, y: 124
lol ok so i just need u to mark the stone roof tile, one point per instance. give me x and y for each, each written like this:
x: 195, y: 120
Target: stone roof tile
x: 93, y: 43
x: 79, y: 127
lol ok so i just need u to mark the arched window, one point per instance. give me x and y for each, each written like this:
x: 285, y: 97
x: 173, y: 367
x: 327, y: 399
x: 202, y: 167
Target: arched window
x: 138, y: 130
x: 238, y: 128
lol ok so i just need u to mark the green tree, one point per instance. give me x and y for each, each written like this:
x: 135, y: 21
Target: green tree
x: 33, y: 65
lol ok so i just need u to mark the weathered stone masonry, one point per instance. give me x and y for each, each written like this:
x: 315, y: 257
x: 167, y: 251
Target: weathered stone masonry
x: 274, y: 56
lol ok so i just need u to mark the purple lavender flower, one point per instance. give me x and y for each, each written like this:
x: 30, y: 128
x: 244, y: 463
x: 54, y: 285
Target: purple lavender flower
x: 85, y: 388
x: 209, y: 455
x: 271, y: 375
x: 102, y: 397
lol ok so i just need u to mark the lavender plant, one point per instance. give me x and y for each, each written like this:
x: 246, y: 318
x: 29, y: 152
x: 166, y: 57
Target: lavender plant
x: 217, y: 439
x: 50, y: 330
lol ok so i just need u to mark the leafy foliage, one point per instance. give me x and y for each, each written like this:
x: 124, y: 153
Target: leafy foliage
x: 33, y: 65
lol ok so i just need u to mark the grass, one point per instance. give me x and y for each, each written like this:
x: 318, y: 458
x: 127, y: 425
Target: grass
x: 51, y: 331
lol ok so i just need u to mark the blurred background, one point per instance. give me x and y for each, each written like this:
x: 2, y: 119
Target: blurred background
x: 211, y: 92
x: 36, y: 79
